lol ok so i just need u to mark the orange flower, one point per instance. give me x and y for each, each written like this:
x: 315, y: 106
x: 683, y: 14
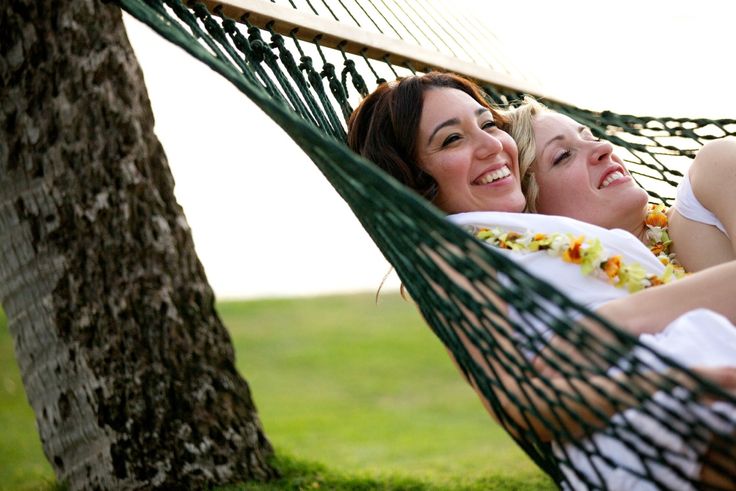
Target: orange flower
x: 657, y: 248
x: 656, y: 280
x: 612, y: 266
x: 573, y: 254
x: 656, y: 219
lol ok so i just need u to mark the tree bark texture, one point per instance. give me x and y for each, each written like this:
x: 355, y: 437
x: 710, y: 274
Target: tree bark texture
x: 125, y: 362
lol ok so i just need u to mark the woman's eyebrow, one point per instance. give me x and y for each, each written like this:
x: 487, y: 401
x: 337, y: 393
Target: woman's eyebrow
x: 450, y: 122
x: 561, y: 136
x: 444, y: 124
x: 550, y: 141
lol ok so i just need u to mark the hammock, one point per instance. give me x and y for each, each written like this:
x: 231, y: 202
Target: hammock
x: 308, y: 80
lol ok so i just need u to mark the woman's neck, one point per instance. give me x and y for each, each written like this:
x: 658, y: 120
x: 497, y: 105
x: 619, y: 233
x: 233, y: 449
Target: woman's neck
x: 638, y: 226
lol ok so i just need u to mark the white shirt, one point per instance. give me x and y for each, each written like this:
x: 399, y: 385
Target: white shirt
x: 567, y: 277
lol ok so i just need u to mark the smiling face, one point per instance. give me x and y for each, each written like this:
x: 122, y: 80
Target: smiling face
x: 474, y: 163
x: 580, y: 177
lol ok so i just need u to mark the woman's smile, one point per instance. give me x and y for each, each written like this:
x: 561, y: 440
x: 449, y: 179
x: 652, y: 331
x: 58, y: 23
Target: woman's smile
x: 495, y: 176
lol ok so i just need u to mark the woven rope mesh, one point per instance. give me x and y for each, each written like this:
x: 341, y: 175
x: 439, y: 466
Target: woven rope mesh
x: 464, y: 289
x: 439, y: 25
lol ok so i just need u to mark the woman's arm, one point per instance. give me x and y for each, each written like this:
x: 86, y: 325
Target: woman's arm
x: 651, y: 310
x: 550, y: 407
x: 555, y: 407
x: 529, y: 403
x: 648, y: 311
x: 544, y: 406
x: 561, y: 407
x: 712, y: 178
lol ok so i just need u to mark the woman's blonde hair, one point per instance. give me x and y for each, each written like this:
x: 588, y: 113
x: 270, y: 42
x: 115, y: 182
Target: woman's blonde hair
x: 519, y: 126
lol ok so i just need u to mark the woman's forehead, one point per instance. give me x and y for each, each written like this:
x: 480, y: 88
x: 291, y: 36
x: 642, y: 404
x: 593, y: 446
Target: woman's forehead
x: 448, y: 102
x: 555, y: 121
x: 447, y: 95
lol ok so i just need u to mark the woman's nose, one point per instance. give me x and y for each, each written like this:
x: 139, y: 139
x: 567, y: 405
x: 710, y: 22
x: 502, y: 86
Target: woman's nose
x: 601, y: 152
x: 488, y: 144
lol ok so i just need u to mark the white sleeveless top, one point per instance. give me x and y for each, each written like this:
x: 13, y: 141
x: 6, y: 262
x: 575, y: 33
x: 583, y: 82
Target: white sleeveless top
x: 687, y: 205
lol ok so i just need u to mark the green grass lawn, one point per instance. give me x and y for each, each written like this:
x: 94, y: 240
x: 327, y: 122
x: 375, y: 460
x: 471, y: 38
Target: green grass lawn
x: 353, y: 395
x: 22, y: 463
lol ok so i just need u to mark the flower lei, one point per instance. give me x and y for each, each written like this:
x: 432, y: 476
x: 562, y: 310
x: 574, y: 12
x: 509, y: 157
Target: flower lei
x: 659, y: 241
x: 592, y: 257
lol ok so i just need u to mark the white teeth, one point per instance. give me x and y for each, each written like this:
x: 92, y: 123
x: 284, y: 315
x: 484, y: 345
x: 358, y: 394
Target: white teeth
x: 494, y: 176
x: 613, y: 176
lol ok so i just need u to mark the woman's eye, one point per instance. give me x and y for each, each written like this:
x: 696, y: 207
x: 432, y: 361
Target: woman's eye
x: 561, y: 157
x: 488, y: 124
x: 450, y: 139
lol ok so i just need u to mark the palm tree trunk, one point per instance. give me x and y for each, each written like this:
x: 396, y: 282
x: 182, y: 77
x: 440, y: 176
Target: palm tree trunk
x: 125, y: 362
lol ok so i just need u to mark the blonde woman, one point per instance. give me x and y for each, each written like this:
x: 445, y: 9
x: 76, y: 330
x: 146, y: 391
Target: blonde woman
x: 567, y: 171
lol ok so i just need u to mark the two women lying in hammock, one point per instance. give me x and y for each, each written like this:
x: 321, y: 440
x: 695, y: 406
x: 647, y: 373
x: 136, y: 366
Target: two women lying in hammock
x: 436, y: 134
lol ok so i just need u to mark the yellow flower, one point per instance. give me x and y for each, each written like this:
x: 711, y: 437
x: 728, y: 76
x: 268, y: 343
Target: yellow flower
x: 512, y: 240
x: 593, y: 254
x: 503, y: 241
x: 633, y: 277
x: 483, y: 233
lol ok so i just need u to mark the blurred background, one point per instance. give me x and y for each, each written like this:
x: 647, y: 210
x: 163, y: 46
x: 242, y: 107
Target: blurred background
x: 267, y: 224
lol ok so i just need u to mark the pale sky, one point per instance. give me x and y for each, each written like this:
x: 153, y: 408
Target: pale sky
x: 266, y: 223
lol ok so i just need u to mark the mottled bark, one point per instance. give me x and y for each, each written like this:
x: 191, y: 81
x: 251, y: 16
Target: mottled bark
x: 126, y: 364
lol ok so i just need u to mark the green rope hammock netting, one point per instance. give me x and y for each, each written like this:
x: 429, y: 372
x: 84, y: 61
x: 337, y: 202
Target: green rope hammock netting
x: 461, y: 286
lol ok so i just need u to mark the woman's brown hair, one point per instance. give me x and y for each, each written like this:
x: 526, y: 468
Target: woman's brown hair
x: 384, y: 127
x: 520, y: 125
